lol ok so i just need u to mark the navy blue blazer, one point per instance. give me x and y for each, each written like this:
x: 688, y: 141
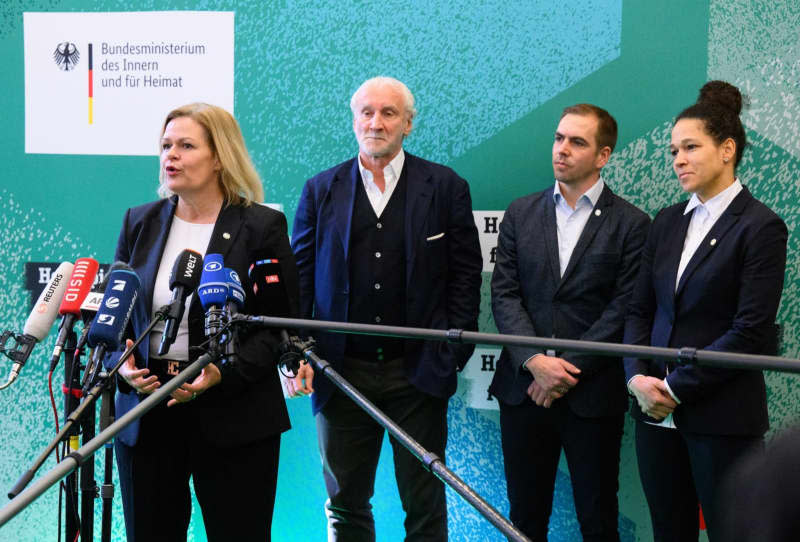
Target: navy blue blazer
x: 442, y: 271
x: 727, y: 300
x: 248, y: 403
x: 529, y: 296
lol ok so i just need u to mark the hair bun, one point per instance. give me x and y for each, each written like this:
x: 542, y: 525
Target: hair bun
x: 723, y: 94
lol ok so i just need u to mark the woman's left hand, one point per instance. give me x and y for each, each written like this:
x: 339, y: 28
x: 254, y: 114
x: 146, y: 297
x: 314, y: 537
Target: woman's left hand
x: 208, y: 378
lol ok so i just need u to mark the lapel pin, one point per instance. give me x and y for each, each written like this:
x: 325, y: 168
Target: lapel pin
x: 227, y: 235
x: 713, y: 242
x: 597, y: 212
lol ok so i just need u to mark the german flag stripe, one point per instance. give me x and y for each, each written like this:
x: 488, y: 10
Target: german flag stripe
x: 91, y: 88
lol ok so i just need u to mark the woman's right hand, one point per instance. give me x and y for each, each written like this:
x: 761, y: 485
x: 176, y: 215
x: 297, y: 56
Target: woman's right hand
x: 137, y: 378
x: 652, y: 395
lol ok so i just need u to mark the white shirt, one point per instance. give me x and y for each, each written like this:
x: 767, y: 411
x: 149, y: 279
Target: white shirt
x: 182, y: 235
x: 570, y: 222
x: 704, y: 216
x: 391, y: 174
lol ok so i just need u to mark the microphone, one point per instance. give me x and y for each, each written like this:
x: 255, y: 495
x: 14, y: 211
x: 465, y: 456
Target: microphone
x: 77, y: 289
x: 183, y: 281
x: 91, y: 304
x: 108, y: 327
x: 267, y: 279
x: 235, y: 299
x: 235, y: 303
x: 213, y: 294
x: 39, y: 322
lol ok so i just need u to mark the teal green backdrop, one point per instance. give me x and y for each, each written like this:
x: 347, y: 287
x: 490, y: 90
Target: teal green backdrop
x: 490, y: 80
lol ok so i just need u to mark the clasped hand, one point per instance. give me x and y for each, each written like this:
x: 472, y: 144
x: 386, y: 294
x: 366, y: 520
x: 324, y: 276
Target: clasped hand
x: 653, y: 396
x: 552, y: 378
x: 143, y: 382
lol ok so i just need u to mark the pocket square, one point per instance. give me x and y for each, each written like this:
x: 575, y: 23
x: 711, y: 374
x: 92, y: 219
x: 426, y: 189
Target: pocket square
x: 435, y: 237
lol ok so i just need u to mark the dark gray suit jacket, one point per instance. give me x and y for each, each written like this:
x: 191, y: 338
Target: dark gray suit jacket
x: 589, y: 303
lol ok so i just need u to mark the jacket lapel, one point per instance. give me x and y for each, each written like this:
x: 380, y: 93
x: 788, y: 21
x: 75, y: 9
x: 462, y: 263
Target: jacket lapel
x: 156, y: 229
x: 728, y: 218
x: 550, y: 229
x: 343, y: 198
x: 226, y: 230
x: 596, y: 218
x: 419, y: 194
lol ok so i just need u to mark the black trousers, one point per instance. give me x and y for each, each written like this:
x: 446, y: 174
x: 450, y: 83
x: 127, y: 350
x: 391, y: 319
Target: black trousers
x: 350, y: 444
x: 235, y: 486
x: 532, y: 438
x: 679, y: 470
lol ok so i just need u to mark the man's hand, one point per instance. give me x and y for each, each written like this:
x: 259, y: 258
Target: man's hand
x: 552, y: 378
x: 652, y: 395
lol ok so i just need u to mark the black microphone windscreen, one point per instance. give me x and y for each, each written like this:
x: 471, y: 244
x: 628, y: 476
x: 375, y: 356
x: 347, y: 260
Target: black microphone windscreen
x: 186, y: 270
x: 266, y: 277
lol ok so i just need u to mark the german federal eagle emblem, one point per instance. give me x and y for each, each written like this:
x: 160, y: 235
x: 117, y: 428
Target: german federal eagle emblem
x: 66, y: 56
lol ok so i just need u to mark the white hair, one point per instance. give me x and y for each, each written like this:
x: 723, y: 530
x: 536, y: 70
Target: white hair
x: 381, y: 81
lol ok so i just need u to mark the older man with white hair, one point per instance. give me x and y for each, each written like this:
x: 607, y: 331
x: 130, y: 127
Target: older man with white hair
x: 386, y: 238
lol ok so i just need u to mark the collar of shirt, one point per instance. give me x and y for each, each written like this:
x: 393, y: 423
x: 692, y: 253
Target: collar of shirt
x: 589, y: 197
x: 391, y: 173
x: 716, y: 205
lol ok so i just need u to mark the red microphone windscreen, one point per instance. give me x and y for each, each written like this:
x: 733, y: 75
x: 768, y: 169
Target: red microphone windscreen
x: 79, y: 285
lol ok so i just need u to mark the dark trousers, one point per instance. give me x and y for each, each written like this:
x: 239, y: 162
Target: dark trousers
x: 532, y: 439
x: 235, y: 486
x: 679, y: 469
x: 350, y: 444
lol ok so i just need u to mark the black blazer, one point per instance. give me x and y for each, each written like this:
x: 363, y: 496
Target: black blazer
x: 727, y: 300
x: 589, y: 303
x: 248, y: 404
x: 442, y: 272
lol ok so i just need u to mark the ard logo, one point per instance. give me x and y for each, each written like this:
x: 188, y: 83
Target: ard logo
x: 66, y: 56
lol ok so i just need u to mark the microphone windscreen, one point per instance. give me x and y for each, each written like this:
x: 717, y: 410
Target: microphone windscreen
x: 213, y: 289
x: 78, y: 286
x: 235, y: 290
x: 266, y: 277
x: 186, y: 270
x: 45, y: 311
x: 109, y: 325
x: 91, y: 303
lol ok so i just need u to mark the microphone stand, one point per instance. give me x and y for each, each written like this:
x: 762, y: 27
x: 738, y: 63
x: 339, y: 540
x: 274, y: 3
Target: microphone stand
x: 430, y: 460
x: 683, y: 356
x: 91, y: 396
x: 76, y: 458
x: 72, y: 393
x: 107, y: 489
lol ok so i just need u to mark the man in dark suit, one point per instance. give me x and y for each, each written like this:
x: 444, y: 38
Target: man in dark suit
x: 386, y: 238
x: 566, y: 261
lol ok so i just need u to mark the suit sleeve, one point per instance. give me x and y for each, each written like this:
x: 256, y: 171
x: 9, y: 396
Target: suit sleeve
x: 642, y: 306
x: 752, y: 326
x: 508, y: 308
x: 610, y: 326
x: 464, y: 265
x: 304, y: 246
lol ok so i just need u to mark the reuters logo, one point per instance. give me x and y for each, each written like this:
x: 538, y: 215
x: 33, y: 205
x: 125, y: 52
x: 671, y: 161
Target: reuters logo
x: 41, y: 308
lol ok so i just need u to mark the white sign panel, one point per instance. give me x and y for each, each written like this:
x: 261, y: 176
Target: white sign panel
x: 477, y: 376
x: 488, y: 224
x: 102, y: 83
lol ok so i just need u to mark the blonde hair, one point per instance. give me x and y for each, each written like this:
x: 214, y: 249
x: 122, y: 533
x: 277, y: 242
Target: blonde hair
x: 238, y: 178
